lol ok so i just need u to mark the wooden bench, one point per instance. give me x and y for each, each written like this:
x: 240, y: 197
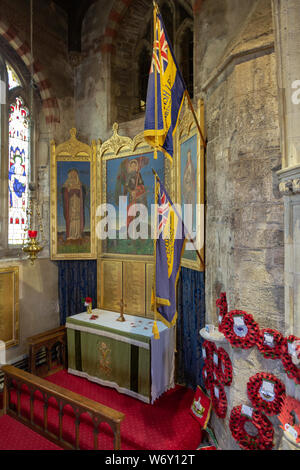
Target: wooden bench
x: 47, y: 340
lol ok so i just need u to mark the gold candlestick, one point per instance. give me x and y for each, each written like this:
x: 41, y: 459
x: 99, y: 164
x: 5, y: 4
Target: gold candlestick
x: 121, y: 317
x: 89, y: 309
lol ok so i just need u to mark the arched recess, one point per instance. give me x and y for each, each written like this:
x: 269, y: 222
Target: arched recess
x: 49, y: 102
x: 141, y: 72
x: 130, y: 25
x: 184, y: 47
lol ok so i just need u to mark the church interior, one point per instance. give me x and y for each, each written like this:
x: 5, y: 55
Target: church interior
x: 112, y: 337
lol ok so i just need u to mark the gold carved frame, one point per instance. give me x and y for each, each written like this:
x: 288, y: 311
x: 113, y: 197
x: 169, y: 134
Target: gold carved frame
x: 118, y: 147
x: 125, y: 276
x: 186, y: 130
x: 73, y: 151
x: 9, y: 306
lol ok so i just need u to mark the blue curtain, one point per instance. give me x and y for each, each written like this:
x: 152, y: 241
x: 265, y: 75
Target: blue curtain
x: 191, y: 318
x: 76, y: 280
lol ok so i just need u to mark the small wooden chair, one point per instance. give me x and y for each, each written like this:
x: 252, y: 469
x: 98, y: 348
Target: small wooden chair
x: 47, y: 340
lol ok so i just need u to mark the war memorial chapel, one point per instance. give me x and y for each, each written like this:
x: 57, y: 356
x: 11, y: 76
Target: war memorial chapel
x: 150, y: 226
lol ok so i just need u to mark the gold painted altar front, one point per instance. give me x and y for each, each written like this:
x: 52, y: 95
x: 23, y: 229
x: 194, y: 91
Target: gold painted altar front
x: 123, y: 356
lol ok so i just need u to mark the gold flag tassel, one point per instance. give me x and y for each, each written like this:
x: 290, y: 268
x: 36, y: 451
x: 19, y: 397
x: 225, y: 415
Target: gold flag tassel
x: 155, y: 330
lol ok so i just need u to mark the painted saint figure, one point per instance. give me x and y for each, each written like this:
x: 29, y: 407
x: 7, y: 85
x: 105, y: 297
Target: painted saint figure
x: 17, y: 182
x: 73, y: 193
x: 189, y: 181
x: 131, y: 180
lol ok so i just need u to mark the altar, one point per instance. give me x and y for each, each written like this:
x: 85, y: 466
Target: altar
x: 122, y: 355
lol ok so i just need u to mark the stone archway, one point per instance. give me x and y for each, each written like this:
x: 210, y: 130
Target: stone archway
x: 127, y: 26
x: 49, y: 102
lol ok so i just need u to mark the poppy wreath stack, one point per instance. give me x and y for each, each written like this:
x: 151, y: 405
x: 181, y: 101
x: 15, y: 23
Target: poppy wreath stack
x: 266, y: 393
x: 265, y: 432
x: 207, y: 376
x: 292, y: 371
x: 219, y: 399
x: 208, y: 349
x: 240, y: 329
x: 269, y: 343
x: 224, y: 368
x: 221, y: 304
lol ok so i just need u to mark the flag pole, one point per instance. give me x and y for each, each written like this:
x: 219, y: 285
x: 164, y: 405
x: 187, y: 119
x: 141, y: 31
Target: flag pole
x: 195, y: 117
x: 155, y: 9
x: 190, y: 239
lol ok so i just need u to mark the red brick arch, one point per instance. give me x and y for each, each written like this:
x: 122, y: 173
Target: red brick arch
x: 50, y: 104
x: 197, y: 4
x: 114, y: 19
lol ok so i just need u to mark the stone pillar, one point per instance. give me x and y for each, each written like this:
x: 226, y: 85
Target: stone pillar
x: 290, y: 187
x: 286, y: 17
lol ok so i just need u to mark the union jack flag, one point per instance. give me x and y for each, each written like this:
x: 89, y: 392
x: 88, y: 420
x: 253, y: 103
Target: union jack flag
x: 165, y: 94
x: 168, y: 250
x: 163, y: 212
x: 160, y: 49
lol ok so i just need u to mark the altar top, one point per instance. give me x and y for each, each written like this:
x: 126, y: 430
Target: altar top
x: 133, y: 325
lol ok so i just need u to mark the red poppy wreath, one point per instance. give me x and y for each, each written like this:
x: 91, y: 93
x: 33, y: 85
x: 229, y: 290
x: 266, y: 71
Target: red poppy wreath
x: 224, y: 368
x: 221, y: 304
x: 266, y: 392
x: 261, y: 438
x: 240, y: 329
x: 269, y: 343
x: 291, y: 369
x: 208, y: 349
x: 207, y: 376
x: 219, y: 399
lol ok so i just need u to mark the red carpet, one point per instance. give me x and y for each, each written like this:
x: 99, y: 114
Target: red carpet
x: 166, y: 425
x: 16, y: 436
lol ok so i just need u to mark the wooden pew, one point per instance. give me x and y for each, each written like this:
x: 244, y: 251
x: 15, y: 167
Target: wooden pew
x: 47, y: 340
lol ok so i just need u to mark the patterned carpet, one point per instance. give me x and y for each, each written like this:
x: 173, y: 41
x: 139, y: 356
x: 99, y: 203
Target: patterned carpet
x: 16, y: 436
x: 165, y: 425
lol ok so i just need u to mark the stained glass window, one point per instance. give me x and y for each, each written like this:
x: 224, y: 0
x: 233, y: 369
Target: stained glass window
x: 13, y: 79
x: 18, y: 171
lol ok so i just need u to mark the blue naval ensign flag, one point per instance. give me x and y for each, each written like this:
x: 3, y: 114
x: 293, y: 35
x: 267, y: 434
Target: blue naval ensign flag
x: 166, y: 92
x: 169, y: 243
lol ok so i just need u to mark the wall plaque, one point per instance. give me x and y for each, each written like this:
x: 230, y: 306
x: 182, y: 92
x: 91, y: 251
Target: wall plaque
x: 9, y: 306
x: 110, y: 277
x: 134, y: 287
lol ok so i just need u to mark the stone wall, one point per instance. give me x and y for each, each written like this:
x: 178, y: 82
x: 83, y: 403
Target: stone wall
x: 236, y: 76
x: 245, y: 363
x: 244, y: 225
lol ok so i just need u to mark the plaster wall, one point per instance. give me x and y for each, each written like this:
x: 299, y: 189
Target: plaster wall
x: 38, y: 301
